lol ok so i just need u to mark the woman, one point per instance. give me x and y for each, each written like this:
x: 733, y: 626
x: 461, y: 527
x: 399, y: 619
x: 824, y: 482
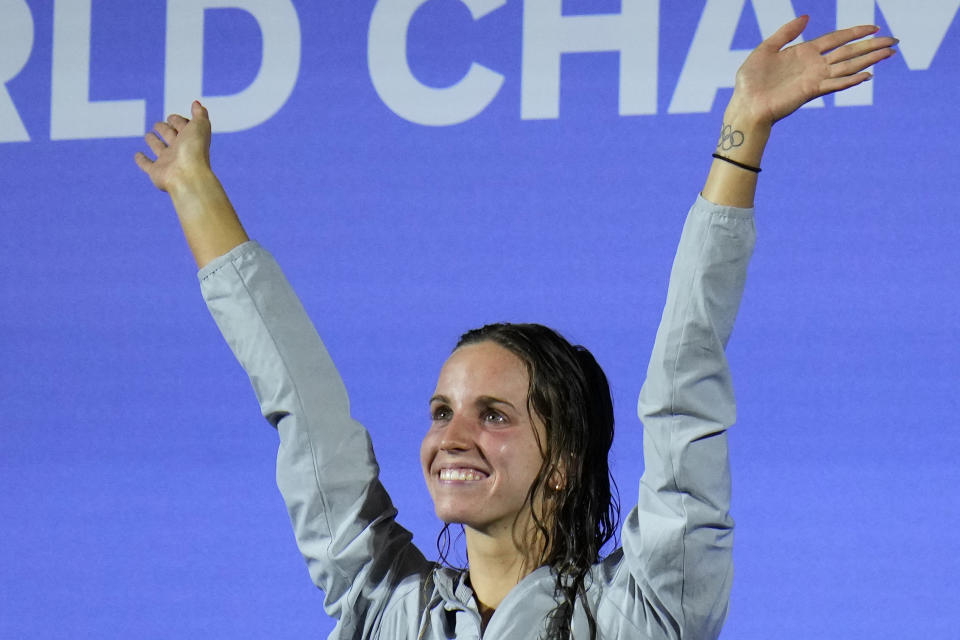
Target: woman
x: 521, y: 420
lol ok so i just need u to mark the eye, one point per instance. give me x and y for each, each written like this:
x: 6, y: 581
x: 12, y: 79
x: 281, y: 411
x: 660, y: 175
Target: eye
x: 440, y: 413
x: 494, y: 417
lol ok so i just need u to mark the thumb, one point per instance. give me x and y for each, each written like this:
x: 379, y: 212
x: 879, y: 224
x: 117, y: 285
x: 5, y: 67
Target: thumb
x: 198, y: 111
x: 787, y: 33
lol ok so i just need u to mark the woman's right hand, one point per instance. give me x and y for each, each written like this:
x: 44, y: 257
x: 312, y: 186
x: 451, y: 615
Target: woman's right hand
x: 182, y: 148
x: 182, y: 169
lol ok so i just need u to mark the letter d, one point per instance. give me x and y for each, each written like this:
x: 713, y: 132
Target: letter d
x: 275, y: 79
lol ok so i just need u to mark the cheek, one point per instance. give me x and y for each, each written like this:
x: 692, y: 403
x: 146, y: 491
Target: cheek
x: 521, y: 457
x: 428, y: 449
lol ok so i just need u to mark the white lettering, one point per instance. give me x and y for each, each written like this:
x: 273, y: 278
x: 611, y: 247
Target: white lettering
x: 547, y: 34
x: 72, y: 115
x: 711, y: 64
x: 921, y: 26
x: 400, y: 90
x: 16, y: 34
x: 275, y: 79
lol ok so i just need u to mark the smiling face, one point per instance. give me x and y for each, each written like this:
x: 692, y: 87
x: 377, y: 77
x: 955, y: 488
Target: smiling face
x: 481, y: 456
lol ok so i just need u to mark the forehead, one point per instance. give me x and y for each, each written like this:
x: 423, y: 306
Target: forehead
x: 484, y: 368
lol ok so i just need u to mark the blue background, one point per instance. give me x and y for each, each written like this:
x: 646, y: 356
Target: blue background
x: 137, y: 477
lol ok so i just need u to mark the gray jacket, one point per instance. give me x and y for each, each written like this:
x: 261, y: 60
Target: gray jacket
x: 672, y: 576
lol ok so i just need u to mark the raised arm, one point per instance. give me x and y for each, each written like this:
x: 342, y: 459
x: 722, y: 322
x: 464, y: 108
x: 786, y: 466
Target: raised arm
x: 679, y: 540
x: 342, y: 517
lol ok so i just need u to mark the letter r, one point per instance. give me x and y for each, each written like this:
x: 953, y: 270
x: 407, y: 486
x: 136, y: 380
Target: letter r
x: 16, y: 34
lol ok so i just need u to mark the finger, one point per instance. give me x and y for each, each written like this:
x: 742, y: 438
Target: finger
x: 855, y: 65
x: 787, y: 33
x: 199, y: 111
x: 177, y: 121
x: 167, y: 132
x: 833, y: 85
x: 834, y: 39
x: 155, y: 143
x: 201, y: 117
x: 143, y: 161
x: 860, y: 48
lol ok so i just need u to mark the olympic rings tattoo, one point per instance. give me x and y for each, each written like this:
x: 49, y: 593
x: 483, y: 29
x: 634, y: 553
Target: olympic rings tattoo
x: 729, y: 138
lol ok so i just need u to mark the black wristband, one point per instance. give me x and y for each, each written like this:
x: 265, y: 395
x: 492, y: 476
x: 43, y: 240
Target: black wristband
x: 737, y: 164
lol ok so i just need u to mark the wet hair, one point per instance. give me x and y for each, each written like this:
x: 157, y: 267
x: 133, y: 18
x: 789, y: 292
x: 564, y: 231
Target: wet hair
x: 571, y: 522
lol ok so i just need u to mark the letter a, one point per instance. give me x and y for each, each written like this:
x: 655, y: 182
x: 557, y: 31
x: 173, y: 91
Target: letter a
x: 711, y: 64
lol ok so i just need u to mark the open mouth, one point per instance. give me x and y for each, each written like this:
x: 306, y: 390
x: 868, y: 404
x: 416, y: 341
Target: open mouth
x: 461, y: 475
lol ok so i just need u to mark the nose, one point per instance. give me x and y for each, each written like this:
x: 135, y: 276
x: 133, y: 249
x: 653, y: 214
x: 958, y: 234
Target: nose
x: 457, y: 435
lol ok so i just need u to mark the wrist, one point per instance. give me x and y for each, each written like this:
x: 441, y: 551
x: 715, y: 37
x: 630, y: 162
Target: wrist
x: 743, y: 137
x: 209, y: 221
x: 196, y: 182
x: 744, y: 134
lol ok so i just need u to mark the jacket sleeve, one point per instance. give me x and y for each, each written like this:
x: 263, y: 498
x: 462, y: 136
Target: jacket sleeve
x: 342, y: 516
x: 679, y: 539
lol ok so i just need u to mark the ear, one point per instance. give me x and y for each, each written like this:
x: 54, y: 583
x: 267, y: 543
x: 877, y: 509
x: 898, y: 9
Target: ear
x: 557, y: 479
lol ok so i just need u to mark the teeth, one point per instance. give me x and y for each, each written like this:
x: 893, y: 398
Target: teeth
x: 461, y: 474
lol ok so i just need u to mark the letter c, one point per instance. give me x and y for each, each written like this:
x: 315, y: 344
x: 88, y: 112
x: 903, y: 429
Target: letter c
x: 395, y: 83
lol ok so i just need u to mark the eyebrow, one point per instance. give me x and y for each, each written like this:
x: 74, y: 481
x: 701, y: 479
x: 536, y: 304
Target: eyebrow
x: 482, y: 401
x: 488, y: 400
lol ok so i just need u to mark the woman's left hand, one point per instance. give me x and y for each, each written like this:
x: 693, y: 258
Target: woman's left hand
x: 775, y: 81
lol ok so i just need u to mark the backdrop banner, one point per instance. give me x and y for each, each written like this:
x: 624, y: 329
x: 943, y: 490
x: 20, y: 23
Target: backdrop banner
x: 422, y: 167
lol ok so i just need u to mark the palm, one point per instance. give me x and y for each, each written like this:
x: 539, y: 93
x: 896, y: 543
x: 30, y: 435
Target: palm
x: 182, y: 146
x: 776, y: 81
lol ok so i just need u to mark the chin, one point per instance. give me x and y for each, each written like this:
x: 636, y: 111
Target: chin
x: 453, y: 511
x: 450, y: 514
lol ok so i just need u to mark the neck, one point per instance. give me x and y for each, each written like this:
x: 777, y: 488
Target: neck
x: 496, y: 565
